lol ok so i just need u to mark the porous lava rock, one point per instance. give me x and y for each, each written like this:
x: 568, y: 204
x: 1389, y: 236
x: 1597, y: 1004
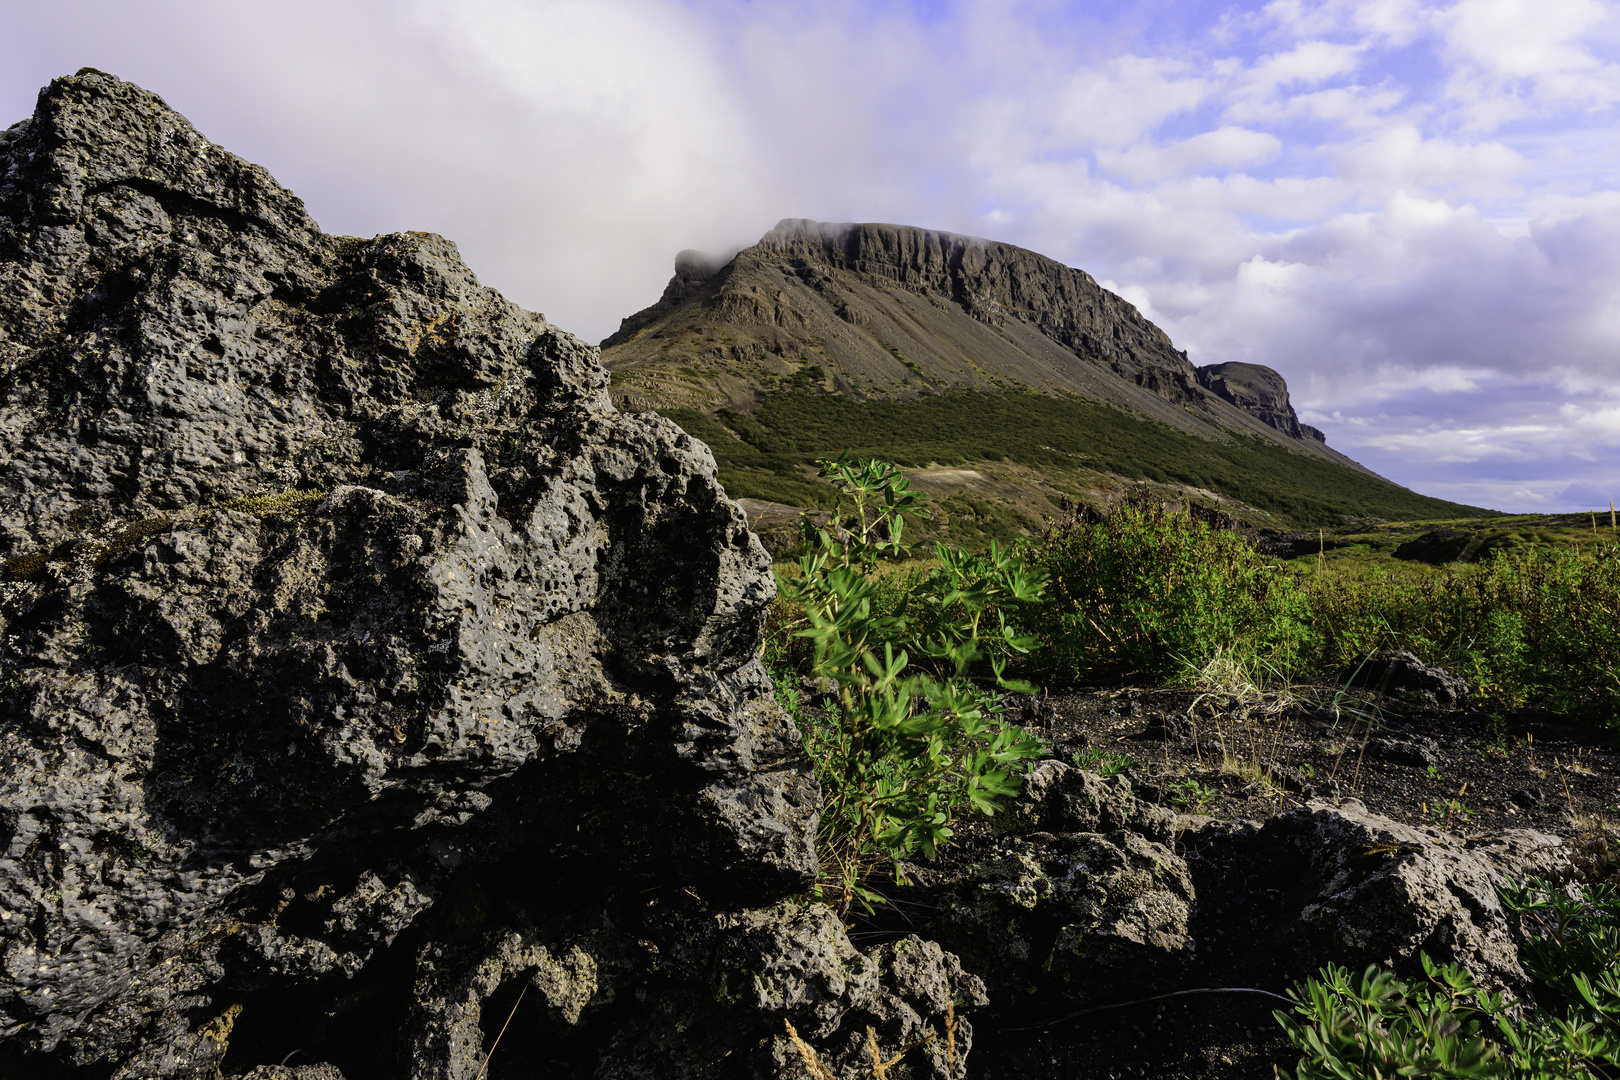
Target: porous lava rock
x: 1083, y: 900
x: 1399, y: 676
x: 361, y: 665
x: 1346, y: 885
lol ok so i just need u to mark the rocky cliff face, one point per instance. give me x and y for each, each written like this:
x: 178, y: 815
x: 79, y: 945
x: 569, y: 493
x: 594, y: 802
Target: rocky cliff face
x: 361, y: 663
x: 872, y: 310
x: 994, y: 283
x: 1260, y: 391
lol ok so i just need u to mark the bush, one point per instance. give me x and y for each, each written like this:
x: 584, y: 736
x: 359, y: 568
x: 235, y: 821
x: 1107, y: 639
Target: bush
x: 1382, y: 1026
x: 910, y: 742
x: 1149, y: 592
x: 1541, y: 624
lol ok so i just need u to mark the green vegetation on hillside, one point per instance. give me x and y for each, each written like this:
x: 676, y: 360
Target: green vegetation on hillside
x: 765, y: 455
x: 1151, y: 594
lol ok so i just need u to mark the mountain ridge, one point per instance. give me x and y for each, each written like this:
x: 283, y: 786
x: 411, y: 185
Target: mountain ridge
x: 936, y: 350
x: 889, y: 311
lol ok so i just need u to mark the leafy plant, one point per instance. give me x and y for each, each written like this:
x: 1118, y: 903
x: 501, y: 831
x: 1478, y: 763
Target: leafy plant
x: 1543, y: 623
x: 1192, y: 795
x: 1442, y: 814
x: 1102, y: 762
x: 911, y: 742
x: 1382, y: 1026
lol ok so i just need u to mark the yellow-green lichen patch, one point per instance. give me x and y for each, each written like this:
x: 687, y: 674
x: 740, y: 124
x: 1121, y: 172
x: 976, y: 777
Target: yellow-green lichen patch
x: 281, y: 504
x: 90, y: 553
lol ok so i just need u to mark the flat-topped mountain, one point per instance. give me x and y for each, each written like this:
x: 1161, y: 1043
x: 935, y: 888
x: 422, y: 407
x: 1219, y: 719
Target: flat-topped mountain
x: 879, y: 314
x: 893, y: 311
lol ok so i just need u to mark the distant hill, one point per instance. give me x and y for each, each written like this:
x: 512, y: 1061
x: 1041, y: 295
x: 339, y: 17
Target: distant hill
x: 940, y: 350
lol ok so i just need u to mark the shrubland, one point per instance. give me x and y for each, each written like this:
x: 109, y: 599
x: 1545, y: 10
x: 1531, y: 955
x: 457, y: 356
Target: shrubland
x: 897, y: 669
x: 1151, y: 594
x: 912, y: 654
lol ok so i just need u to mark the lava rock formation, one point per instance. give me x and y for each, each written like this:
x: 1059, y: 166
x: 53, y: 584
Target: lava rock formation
x: 362, y: 665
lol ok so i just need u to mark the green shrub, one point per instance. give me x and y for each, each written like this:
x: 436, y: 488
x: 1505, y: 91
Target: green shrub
x: 910, y: 742
x: 1149, y: 592
x: 1540, y: 624
x: 1382, y: 1026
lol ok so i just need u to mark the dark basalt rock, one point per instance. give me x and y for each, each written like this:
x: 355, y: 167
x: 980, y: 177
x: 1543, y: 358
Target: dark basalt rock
x: 1259, y: 391
x: 360, y: 662
x: 1295, y: 543
x: 1059, y: 923
x: 1402, y: 678
x: 1359, y: 888
x: 1071, y: 918
x: 1084, y: 898
x: 1444, y: 545
x: 1435, y: 546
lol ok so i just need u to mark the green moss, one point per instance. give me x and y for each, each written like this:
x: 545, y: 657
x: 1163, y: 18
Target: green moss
x: 26, y: 568
x: 347, y: 246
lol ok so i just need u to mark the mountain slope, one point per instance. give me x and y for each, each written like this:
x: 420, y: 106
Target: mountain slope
x: 883, y: 313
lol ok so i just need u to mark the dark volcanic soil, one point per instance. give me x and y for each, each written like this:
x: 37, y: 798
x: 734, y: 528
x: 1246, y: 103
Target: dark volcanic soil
x: 1461, y: 771
x: 1531, y: 770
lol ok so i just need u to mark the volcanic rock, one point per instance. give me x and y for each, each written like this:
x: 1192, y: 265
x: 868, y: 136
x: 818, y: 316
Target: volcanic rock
x: 361, y: 664
x: 1072, y: 917
x: 1370, y: 890
x: 1401, y: 677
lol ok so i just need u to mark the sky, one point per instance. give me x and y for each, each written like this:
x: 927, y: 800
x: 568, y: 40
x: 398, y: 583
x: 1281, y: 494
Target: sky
x: 1411, y: 210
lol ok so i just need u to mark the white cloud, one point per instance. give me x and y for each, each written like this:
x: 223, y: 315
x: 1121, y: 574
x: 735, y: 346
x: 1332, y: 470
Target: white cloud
x: 1222, y: 148
x: 1394, y: 22
x: 1400, y: 157
x: 1307, y: 63
x: 1602, y: 424
x: 1513, y: 58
